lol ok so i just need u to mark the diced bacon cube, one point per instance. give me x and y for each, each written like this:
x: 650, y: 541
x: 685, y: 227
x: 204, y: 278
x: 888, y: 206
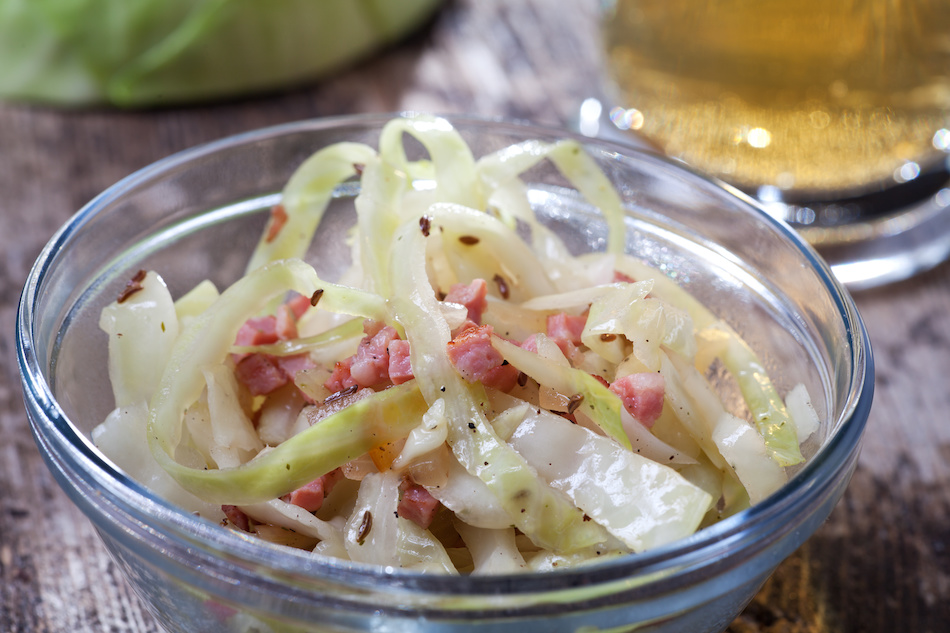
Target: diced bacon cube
x: 473, y: 296
x: 601, y: 380
x: 340, y: 378
x: 257, y: 331
x: 567, y: 348
x: 310, y: 496
x: 299, y: 304
x: 642, y: 395
x: 278, y: 218
x: 400, y: 369
x: 263, y: 373
x: 468, y: 324
x: 290, y: 365
x: 285, y: 325
x: 237, y: 517
x: 530, y: 343
x: 473, y: 356
x: 372, y: 327
x: 416, y: 504
x: 502, y: 378
x: 567, y: 327
x: 260, y: 374
x: 370, y: 365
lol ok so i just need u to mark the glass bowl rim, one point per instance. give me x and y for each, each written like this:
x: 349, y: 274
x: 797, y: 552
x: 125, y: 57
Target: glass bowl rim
x: 703, y: 547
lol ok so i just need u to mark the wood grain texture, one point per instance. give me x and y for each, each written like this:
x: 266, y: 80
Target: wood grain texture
x: 880, y: 564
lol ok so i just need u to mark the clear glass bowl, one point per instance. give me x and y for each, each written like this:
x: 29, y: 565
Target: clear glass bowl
x: 197, y: 214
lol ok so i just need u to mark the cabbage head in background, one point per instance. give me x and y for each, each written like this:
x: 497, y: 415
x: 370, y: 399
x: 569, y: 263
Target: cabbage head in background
x: 134, y: 53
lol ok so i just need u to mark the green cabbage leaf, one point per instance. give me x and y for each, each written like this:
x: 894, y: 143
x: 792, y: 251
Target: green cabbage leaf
x: 134, y: 53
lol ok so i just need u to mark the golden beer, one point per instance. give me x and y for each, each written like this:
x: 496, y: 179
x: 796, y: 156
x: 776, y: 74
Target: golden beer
x: 820, y: 98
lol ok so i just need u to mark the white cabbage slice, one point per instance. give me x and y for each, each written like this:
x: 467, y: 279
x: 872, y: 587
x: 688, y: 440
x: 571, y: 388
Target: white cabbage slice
x: 642, y: 503
x: 375, y: 534
x: 470, y: 499
x: 122, y: 438
x: 803, y: 413
x: 142, y: 328
x: 292, y: 517
x: 729, y: 441
x: 494, y: 551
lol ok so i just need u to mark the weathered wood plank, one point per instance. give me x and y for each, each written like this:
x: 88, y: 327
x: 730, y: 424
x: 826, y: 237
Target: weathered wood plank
x: 880, y: 564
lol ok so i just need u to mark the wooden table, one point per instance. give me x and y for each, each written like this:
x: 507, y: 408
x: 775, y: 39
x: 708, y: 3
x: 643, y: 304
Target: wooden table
x: 881, y: 564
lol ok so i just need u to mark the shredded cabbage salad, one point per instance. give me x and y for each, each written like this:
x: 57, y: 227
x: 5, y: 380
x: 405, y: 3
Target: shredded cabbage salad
x: 464, y: 399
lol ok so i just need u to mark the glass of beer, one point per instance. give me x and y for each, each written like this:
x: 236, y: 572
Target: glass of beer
x: 834, y: 115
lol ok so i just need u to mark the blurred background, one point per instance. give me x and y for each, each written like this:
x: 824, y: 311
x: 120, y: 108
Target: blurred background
x: 69, y: 130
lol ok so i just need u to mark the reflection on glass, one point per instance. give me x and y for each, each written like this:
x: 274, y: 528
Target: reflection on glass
x: 812, y: 96
x: 818, y: 106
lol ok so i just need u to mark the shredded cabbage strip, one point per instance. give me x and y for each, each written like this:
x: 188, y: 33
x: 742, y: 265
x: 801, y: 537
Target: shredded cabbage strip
x: 305, y: 199
x: 768, y: 410
x: 207, y: 342
x: 538, y: 511
x: 573, y: 491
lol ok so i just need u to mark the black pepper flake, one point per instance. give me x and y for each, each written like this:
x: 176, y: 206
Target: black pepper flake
x: 315, y: 297
x: 425, y: 223
x: 442, y: 388
x: 586, y: 518
x: 522, y: 379
x: 365, y: 526
x: 133, y: 286
x: 574, y: 402
x: 606, y: 338
x: 503, y: 289
x: 333, y: 397
x: 504, y: 362
x: 471, y: 425
x: 469, y: 240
